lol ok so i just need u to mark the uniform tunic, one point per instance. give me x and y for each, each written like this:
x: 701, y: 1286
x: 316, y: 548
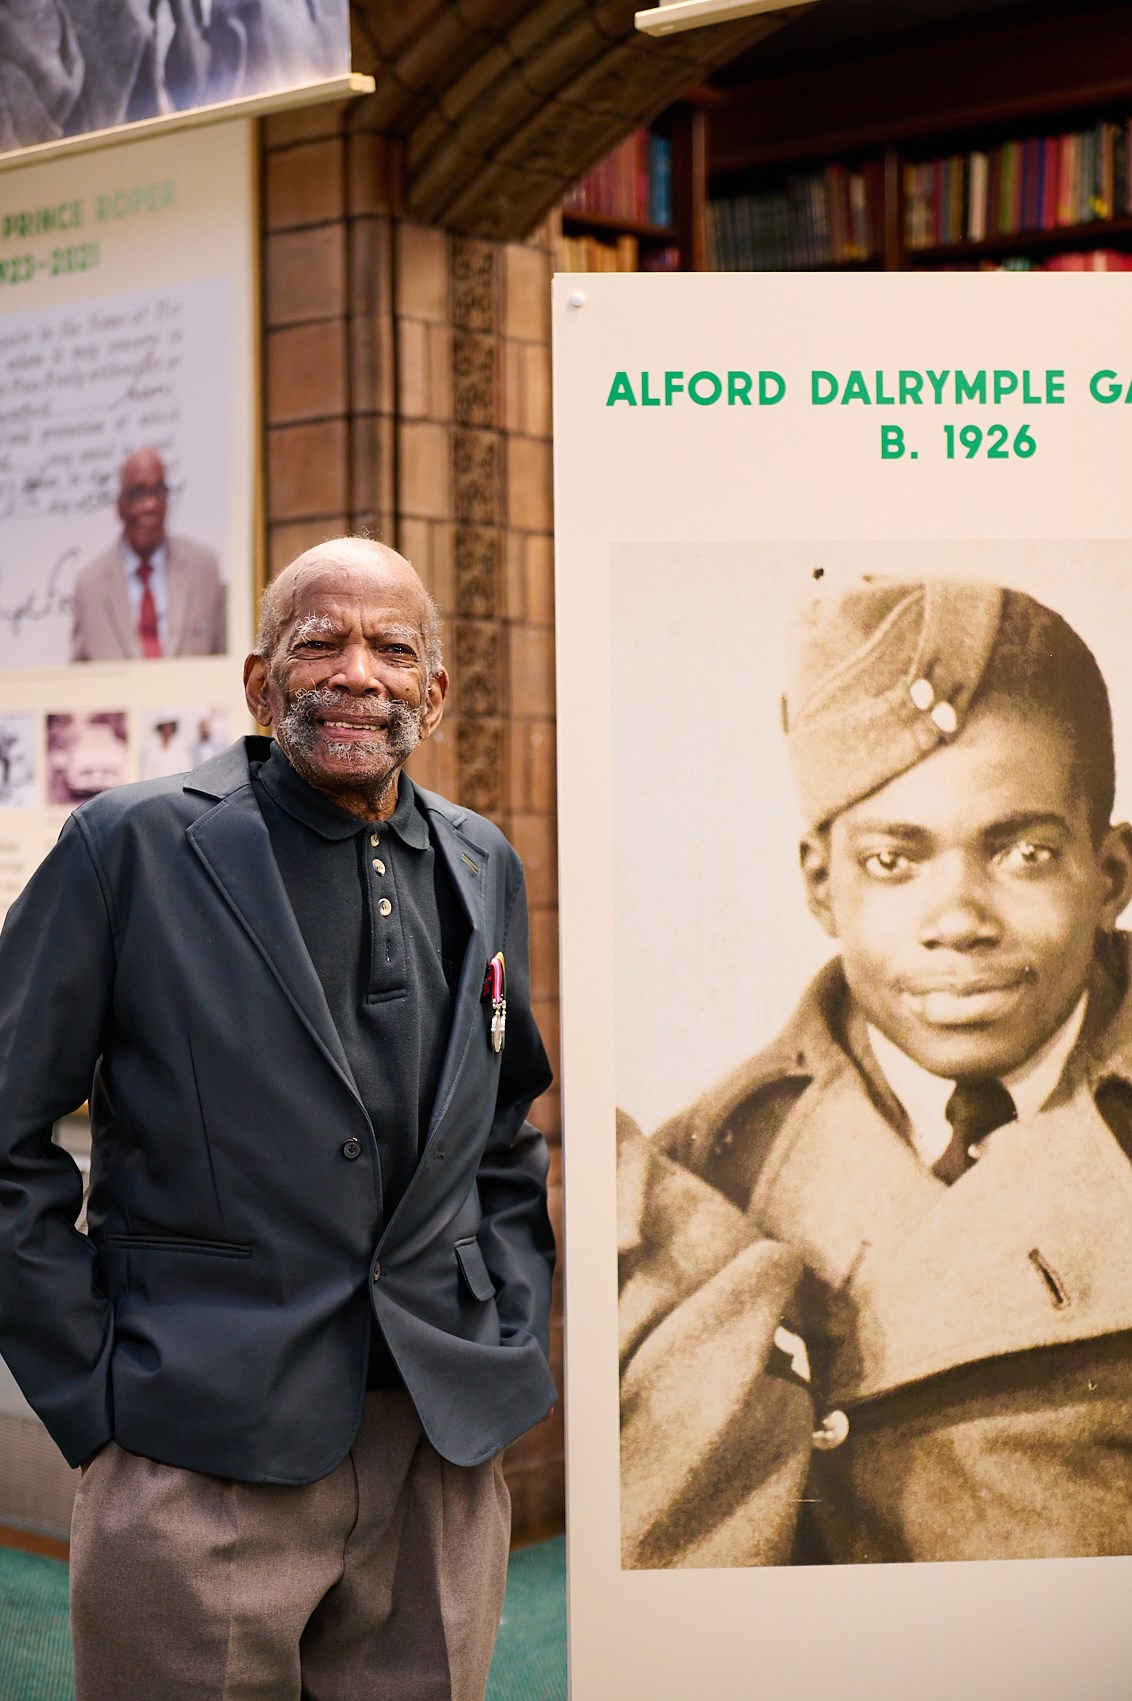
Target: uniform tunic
x: 978, y: 1336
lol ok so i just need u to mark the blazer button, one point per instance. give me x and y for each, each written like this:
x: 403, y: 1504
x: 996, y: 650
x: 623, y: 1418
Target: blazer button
x: 377, y: 1272
x: 352, y: 1149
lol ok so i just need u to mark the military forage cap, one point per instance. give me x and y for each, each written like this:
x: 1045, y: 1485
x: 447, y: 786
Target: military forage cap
x: 880, y: 674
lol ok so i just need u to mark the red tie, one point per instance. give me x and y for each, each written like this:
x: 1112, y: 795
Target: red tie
x: 148, y: 635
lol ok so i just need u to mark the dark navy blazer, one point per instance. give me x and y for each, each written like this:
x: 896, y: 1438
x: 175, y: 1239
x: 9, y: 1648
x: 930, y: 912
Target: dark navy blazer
x: 218, y: 1315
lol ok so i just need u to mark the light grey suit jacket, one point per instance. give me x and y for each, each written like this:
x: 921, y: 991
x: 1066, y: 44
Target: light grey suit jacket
x: 196, y: 606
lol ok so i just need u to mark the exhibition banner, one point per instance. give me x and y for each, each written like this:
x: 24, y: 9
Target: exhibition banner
x: 844, y: 597
x: 127, y: 469
x: 71, y: 68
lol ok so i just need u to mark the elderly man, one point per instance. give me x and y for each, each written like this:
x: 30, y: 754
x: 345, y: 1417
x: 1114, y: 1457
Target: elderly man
x: 149, y: 594
x: 312, y: 1307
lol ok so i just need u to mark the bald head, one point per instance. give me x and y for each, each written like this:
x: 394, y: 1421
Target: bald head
x: 144, y: 466
x: 347, y: 670
x: 143, y: 500
x: 352, y: 555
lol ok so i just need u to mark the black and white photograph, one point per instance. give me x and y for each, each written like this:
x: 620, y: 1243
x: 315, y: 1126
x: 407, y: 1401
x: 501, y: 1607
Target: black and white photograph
x: 68, y: 67
x: 86, y: 753
x: 177, y: 739
x: 875, y: 1213
x: 18, y: 740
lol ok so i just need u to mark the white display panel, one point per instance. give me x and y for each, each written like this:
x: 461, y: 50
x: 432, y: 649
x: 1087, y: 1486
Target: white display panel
x: 691, y: 518
x: 128, y: 324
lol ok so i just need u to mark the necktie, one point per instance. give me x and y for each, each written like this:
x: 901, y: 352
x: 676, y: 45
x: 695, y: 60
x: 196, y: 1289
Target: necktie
x: 148, y: 635
x: 975, y: 1109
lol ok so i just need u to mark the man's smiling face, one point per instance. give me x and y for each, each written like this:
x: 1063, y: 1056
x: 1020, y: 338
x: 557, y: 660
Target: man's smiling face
x: 347, y: 687
x: 966, y: 894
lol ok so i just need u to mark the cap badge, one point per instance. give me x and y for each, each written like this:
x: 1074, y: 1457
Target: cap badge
x: 942, y: 715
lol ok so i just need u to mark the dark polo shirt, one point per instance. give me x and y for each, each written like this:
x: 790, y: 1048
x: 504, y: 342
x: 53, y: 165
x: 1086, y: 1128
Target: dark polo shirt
x: 386, y: 934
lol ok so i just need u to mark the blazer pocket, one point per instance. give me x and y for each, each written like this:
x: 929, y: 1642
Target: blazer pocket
x: 170, y: 1243
x: 473, y: 1269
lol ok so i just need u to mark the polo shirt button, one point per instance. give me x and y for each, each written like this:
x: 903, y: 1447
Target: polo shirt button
x: 385, y: 907
x: 379, y: 866
x: 352, y: 1149
x: 374, y: 840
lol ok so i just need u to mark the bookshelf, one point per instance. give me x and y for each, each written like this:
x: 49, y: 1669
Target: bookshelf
x: 1037, y: 199
x: 644, y: 207
x: 1006, y: 144
x: 619, y: 217
x: 967, y: 148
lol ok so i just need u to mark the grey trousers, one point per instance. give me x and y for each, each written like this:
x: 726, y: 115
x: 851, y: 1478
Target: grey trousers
x: 382, y: 1582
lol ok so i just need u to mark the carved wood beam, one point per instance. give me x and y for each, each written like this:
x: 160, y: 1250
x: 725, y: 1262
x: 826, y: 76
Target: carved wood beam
x: 503, y: 104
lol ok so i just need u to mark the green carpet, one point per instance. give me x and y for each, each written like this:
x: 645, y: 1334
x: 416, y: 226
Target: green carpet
x: 35, y: 1639
x: 530, y: 1656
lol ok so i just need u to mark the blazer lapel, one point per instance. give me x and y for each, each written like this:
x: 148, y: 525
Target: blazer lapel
x: 233, y: 844
x: 467, y: 866
x: 117, y: 603
x: 178, y: 590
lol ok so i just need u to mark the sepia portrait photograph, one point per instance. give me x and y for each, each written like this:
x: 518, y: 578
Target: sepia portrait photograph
x: 874, y: 1051
x: 86, y: 753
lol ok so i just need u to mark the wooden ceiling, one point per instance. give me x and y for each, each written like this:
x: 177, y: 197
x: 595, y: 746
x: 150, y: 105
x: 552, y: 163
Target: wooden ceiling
x: 502, y: 104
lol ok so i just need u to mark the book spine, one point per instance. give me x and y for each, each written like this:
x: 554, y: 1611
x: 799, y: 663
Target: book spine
x: 977, y: 209
x: 661, y: 160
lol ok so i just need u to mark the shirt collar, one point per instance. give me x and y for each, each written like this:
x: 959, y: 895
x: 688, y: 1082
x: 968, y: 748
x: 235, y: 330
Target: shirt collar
x: 132, y: 559
x: 924, y: 1096
x: 301, y: 801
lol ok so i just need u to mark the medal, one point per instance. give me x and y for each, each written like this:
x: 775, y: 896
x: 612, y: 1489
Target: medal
x: 495, y: 988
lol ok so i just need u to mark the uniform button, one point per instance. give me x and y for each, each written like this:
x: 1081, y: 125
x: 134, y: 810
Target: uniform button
x: 351, y: 1149
x: 374, y: 840
x: 922, y: 693
x: 833, y: 1430
x: 385, y: 907
x: 379, y: 866
x: 946, y: 718
x: 377, y: 1272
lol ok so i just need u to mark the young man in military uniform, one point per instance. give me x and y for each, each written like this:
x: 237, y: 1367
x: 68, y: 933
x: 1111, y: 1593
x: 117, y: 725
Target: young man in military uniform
x: 927, y: 1177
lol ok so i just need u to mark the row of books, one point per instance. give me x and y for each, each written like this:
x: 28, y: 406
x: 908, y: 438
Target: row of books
x: 1044, y: 183
x: 831, y: 217
x: 620, y: 254
x: 633, y: 183
x: 1095, y: 260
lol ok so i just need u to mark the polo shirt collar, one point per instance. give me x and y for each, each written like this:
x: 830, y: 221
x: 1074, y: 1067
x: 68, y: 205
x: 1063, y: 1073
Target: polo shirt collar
x: 301, y: 801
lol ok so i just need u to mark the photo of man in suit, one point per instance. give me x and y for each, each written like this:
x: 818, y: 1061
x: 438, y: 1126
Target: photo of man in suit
x: 312, y: 1305
x: 150, y: 594
x: 876, y: 1302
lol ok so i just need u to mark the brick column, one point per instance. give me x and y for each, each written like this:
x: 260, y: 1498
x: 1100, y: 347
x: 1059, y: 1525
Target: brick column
x: 408, y: 392
x: 474, y: 514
